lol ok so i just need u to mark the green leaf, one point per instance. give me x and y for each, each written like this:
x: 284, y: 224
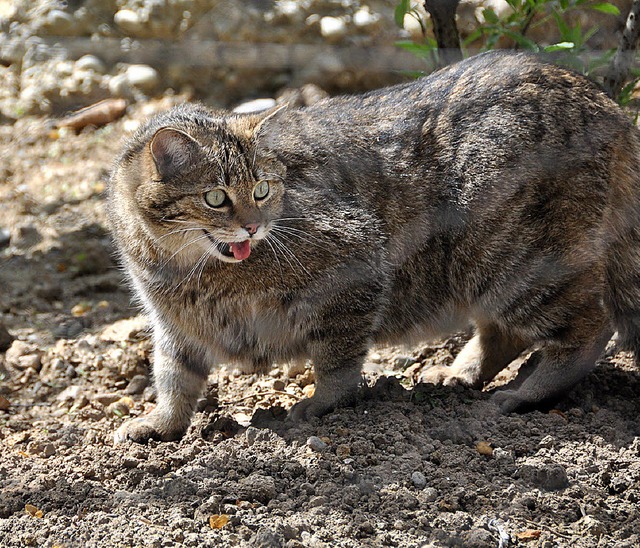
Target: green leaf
x: 490, y: 16
x: 605, y: 7
x: 559, y: 46
x: 401, y: 10
x: 420, y: 50
x: 523, y: 41
x: 563, y: 28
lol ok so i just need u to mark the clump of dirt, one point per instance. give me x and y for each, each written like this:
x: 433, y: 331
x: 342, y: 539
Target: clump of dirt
x: 409, y: 465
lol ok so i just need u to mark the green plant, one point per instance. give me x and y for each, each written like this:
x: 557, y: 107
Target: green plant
x: 511, y: 29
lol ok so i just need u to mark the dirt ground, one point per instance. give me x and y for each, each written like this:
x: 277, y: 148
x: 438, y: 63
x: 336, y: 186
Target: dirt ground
x: 409, y: 465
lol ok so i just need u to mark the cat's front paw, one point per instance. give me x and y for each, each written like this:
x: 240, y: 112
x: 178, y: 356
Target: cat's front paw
x: 307, y: 409
x: 143, y: 429
x: 446, y: 376
x: 509, y: 401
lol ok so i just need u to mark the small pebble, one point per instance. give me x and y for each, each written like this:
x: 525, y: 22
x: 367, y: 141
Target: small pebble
x: 49, y: 450
x: 118, y: 408
x: 251, y: 435
x: 31, y: 361
x: 70, y: 393
x: 320, y: 500
x: 149, y: 394
x: 316, y: 444
x: 343, y: 451
x: 17, y: 350
x: 59, y: 22
x: 128, y: 21
x: 430, y: 494
x: 402, y: 362
x: 419, y: 480
x: 332, y: 28
x: 130, y: 462
x: 137, y: 384
x: 484, y: 448
x: 106, y: 399
x: 4, y: 403
x: 90, y: 62
x: 143, y: 77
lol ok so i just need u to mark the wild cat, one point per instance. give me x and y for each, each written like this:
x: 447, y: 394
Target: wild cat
x: 501, y: 191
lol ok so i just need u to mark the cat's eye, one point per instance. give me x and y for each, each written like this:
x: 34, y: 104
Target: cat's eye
x: 215, y: 198
x: 261, y: 190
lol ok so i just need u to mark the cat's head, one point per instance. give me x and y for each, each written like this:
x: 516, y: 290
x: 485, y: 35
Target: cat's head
x: 203, y: 189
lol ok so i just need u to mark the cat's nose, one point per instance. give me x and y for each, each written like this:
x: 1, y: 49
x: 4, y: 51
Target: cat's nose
x: 252, y: 228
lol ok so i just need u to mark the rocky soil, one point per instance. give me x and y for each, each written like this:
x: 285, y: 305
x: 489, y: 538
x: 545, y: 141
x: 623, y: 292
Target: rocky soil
x: 409, y: 465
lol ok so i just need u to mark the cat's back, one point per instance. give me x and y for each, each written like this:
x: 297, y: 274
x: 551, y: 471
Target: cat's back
x: 500, y: 102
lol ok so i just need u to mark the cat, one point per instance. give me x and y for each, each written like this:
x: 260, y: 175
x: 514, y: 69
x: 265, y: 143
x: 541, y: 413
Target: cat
x: 501, y: 191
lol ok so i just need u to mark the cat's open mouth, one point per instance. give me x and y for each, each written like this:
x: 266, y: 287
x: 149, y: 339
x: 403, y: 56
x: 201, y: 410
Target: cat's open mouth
x: 235, y: 250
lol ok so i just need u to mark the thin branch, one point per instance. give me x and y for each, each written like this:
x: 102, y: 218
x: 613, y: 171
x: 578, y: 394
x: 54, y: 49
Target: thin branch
x: 622, y: 61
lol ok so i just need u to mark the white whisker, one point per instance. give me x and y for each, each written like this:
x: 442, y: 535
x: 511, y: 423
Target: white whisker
x: 203, y: 237
x: 281, y: 245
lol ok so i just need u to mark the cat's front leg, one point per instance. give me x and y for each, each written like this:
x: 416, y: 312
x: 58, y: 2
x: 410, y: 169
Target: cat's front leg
x: 339, y: 344
x: 180, y: 376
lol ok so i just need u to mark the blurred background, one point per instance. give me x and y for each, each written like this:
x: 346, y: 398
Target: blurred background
x: 57, y: 56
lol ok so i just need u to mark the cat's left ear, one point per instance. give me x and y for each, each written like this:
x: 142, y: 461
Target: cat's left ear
x: 172, y: 150
x: 255, y: 122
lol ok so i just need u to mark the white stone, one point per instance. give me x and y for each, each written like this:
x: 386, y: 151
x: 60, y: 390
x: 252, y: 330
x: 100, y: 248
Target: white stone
x: 119, y: 85
x: 90, y: 62
x: 59, y: 21
x: 364, y: 18
x: 128, y: 21
x: 256, y: 105
x: 332, y: 27
x: 143, y: 77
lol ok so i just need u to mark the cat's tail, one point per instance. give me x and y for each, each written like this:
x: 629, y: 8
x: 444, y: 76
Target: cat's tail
x: 622, y: 295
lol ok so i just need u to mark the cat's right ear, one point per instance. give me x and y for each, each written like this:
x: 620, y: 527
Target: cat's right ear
x: 172, y: 150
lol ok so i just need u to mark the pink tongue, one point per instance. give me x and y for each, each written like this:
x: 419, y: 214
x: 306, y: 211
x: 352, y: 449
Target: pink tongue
x: 241, y: 250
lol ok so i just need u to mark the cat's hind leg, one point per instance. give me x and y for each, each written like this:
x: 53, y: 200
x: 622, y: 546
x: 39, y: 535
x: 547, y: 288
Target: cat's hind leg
x: 558, y: 367
x: 488, y: 352
x: 180, y: 377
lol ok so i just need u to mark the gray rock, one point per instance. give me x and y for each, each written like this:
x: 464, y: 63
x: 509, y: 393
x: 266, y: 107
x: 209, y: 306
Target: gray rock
x: 257, y: 487
x: 319, y: 500
x: 550, y: 477
x: 430, y: 494
x: 49, y: 450
x: 316, y: 444
x: 478, y: 538
x: 251, y: 434
x: 137, y: 384
x: 265, y: 538
x: 419, y: 480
